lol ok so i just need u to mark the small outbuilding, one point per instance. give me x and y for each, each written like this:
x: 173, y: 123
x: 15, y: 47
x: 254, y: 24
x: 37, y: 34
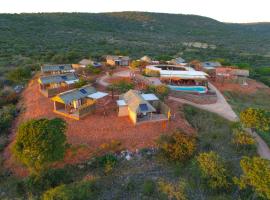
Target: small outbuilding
x: 141, y: 107
x: 146, y: 59
x: 177, y: 61
x: 210, y: 65
x: 117, y: 60
x: 51, y: 85
x: 77, y: 103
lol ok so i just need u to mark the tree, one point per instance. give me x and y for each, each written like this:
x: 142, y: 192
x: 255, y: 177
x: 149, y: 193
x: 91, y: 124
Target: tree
x: 121, y: 86
x: 7, y: 114
x: 137, y: 64
x: 19, y: 75
x: 178, y: 146
x: 213, y: 170
x: 80, y: 83
x: 256, y: 174
x: 255, y: 119
x: 161, y: 91
x: 40, y: 142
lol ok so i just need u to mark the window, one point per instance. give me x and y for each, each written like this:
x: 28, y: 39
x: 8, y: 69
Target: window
x: 83, y: 91
x: 143, y: 107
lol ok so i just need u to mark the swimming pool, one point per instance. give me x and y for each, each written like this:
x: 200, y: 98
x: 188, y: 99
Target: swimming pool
x: 198, y: 89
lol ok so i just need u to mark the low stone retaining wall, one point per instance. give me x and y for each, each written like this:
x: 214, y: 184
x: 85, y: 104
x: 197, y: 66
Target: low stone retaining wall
x: 208, y: 98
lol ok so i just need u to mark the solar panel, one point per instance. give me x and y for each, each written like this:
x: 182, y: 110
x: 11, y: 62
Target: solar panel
x: 83, y: 91
x: 143, y: 107
x: 64, y: 77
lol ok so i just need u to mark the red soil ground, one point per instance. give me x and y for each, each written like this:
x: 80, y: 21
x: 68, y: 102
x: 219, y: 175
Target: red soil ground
x: 89, y: 133
x: 118, y: 79
x: 252, y: 87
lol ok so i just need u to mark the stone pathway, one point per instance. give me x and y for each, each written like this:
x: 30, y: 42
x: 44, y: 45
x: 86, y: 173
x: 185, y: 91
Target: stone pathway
x: 263, y: 149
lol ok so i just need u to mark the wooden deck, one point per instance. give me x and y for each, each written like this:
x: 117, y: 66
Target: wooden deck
x: 66, y: 114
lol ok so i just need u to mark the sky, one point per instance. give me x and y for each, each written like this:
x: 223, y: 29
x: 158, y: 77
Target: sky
x: 237, y: 11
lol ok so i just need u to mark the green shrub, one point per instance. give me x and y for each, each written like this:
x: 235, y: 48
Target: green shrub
x: 178, y: 146
x: 255, y: 118
x: 40, y: 142
x: 149, y: 187
x: 80, y: 83
x: 107, y: 162
x: 7, y: 115
x: 242, y: 139
x: 161, y: 91
x: 122, y: 86
x: 256, y: 174
x: 172, y: 191
x: 92, y: 69
x: 8, y: 97
x: 18, y: 75
x: 76, y: 191
x: 46, y: 180
x: 213, y: 170
x: 130, y: 185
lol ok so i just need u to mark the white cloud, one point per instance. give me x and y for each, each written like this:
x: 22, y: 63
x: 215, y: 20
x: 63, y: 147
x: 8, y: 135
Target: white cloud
x: 222, y: 10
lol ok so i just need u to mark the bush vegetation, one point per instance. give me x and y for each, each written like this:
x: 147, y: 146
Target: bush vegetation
x: 107, y: 162
x: 256, y: 119
x: 256, y: 174
x: 178, y: 146
x: 149, y: 187
x: 40, y: 142
x: 37, y: 184
x: 162, y: 91
x: 213, y: 170
x: 76, y: 191
x: 121, y: 86
x: 173, y: 191
x: 242, y: 139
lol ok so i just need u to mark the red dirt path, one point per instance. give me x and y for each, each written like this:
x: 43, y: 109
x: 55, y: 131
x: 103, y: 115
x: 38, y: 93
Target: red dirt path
x: 94, y: 130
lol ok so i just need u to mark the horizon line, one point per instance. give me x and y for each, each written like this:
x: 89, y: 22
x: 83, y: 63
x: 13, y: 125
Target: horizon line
x: 55, y: 12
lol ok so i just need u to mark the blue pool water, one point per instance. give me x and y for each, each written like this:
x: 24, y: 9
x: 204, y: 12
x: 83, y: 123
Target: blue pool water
x: 199, y: 89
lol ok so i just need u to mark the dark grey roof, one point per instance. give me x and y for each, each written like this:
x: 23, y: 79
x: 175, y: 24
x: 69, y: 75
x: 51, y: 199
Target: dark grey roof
x: 112, y: 57
x: 211, y: 64
x: 76, y: 94
x: 178, y: 60
x: 59, y: 78
x: 55, y: 68
x: 136, y: 103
